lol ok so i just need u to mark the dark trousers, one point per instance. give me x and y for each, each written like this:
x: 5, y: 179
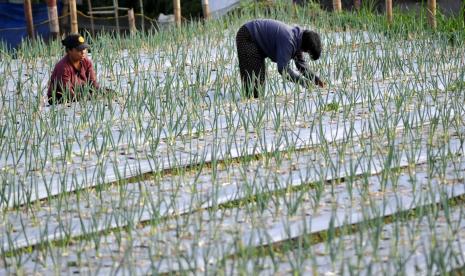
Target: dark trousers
x: 251, y: 63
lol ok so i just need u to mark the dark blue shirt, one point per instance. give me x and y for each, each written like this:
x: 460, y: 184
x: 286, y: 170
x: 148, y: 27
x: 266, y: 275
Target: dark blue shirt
x: 278, y: 41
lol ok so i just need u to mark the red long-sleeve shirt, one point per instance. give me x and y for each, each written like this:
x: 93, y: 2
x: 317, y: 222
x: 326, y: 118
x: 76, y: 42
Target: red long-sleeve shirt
x: 65, y: 77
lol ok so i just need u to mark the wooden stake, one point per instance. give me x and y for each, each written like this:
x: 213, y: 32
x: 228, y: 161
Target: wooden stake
x: 92, y: 27
x: 73, y: 16
x: 206, y: 9
x: 294, y: 8
x: 141, y: 4
x: 28, y: 15
x: 116, y: 8
x: 53, y: 18
x: 64, y: 11
x: 432, y: 14
x: 177, y: 11
x: 357, y: 4
x: 337, y: 5
x: 132, y: 22
x: 389, y: 11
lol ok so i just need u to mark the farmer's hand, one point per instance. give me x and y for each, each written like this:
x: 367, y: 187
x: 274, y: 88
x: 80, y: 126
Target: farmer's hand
x: 107, y: 90
x: 320, y: 83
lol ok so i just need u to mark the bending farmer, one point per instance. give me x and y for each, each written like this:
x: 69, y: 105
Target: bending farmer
x: 266, y: 38
x: 74, y: 75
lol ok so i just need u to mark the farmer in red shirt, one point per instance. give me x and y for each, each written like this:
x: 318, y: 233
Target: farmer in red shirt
x: 73, y: 76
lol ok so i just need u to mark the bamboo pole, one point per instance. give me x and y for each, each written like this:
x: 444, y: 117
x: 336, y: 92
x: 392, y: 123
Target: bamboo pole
x: 206, y: 9
x: 53, y: 18
x: 116, y: 8
x: 389, y: 11
x: 132, y: 23
x: 64, y: 11
x: 92, y: 27
x: 432, y: 14
x: 28, y: 16
x: 337, y: 5
x: 73, y: 15
x: 141, y: 4
x: 357, y: 4
x: 294, y: 8
x: 177, y: 11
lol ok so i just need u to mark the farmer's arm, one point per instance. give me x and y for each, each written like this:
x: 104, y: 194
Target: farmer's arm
x: 91, y: 78
x: 284, y: 55
x: 64, y: 83
x: 303, y: 68
x: 289, y: 74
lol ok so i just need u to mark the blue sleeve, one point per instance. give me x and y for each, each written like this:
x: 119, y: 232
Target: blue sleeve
x: 283, y: 56
x: 300, y: 63
x: 303, y: 68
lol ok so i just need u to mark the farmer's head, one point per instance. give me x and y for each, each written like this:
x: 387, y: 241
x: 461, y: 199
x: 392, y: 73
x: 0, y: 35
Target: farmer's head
x: 76, y: 46
x: 311, y: 44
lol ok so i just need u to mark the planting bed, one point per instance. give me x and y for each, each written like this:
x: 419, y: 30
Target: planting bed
x: 178, y: 172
